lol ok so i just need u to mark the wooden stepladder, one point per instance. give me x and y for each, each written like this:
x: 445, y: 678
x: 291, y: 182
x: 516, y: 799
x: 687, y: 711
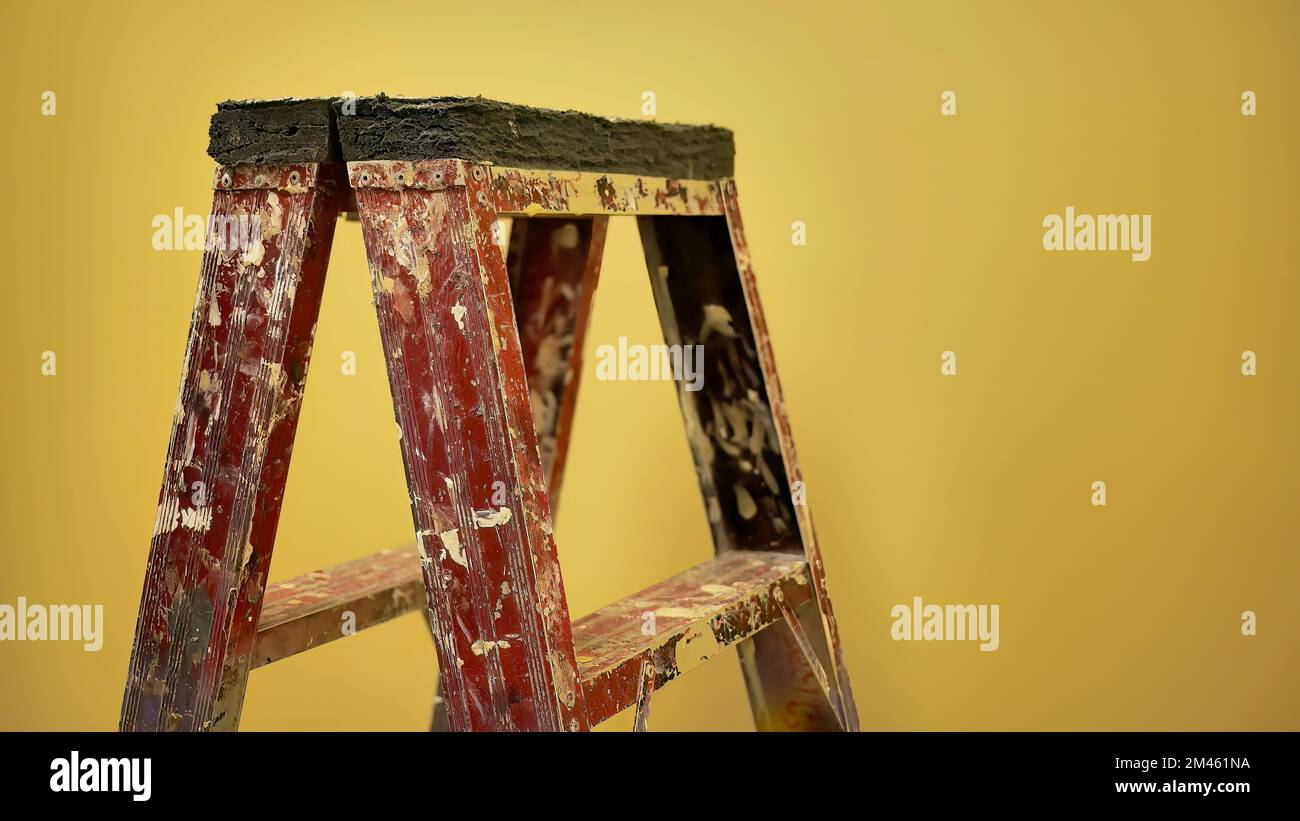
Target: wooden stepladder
x: 483, y: 331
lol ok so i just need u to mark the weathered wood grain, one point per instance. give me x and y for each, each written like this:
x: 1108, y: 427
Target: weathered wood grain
x: 680, y: 623
x: 232, y: 436
x: 478, y: 492
x: 315, y: 608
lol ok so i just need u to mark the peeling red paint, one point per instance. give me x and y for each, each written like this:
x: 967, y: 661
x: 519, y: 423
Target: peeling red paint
x: 459, y: 388
x: 318, y: 607
x: 242, y: 386
x: 696, y: 614
x: 554, y: 265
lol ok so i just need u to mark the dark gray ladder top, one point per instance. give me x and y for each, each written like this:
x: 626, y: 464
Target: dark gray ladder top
x: 465, y: 128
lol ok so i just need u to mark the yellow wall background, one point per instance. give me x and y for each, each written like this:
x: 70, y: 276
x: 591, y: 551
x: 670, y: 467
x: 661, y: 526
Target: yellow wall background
x: 924, y: 235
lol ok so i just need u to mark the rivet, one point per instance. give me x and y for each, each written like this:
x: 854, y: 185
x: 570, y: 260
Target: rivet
x: 293, y: 178
x: 225, y: 180
x: 365, y: 178
x: 401, y: 178
x: 478, y: 174
x: 482, y: 198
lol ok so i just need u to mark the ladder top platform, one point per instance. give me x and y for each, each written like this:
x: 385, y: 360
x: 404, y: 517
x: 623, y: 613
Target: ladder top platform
x: 463, y: 128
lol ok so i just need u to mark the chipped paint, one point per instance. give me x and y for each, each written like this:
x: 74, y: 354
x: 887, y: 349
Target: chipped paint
x: 250, y: 342
x: 530, y: 193
x: 451, y: 542
x: 483, y: 647
x: 698, y: 613
x: 697, y: 645
x: 197, y: 519
x: 489, y: 518
x: 554, y: 267
x: 307, y: 611
x: 463, y: 409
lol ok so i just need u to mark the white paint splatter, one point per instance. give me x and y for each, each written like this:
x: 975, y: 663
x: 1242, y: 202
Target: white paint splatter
x: 481, y: 647
x: 196, y: 518
x: 492, y: 519
x: 451, y: 541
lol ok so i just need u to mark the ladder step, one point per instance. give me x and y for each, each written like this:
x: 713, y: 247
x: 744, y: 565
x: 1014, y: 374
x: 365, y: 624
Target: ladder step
x: 307, y: 611
x: 696, y: 614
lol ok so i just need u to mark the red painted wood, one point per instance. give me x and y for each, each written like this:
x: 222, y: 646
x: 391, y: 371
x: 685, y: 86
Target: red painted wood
x: 309, y: 610
x: 681, y: 622
x: 232, y: 436
x: 554, y: 265
x: 479, y: 501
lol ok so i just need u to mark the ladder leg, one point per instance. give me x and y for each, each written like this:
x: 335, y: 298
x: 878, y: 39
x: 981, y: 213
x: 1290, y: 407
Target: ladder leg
x: 478, y: 493
x: 810, y: 654
x: 744, y: 454
x: 241, y: 390
x: 554, y: 267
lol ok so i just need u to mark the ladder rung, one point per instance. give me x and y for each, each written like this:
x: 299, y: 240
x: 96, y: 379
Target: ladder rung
x: 697, y: 614
x: 307, y: 611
